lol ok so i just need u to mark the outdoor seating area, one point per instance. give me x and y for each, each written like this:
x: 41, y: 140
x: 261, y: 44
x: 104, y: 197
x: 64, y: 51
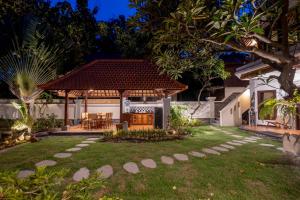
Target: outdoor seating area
x: 96, y: 120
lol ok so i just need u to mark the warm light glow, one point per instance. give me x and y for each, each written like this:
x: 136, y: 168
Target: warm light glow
x: 91, y: 90
x: 253, y: 43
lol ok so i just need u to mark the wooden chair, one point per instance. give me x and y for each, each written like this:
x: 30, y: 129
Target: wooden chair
x: 108, y: 119
x: 100, y: 120
x: 92, y: 119
x: 84, y: 120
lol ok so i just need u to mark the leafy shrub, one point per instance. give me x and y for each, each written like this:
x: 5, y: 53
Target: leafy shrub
x: 177, y: 119
x: 150, y: 135
x: 195, y: 122
x: 46, y: 185
x: 46, y: 123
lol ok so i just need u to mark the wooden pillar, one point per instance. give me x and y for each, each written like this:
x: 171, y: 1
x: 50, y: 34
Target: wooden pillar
x: 86, y: 102
x: 121, y: 105
x: 66, y: 107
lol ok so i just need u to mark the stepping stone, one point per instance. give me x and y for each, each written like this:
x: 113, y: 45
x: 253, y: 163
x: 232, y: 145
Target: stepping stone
x: 105, y: 171
x: 237, y: 136
x: 167, y: 160
x: 251, y: 141
x: 92, y: 139
x: 181, y: 157
x: 220, y: 149
x: 45, y: 163
x: 25, y: 173
x: 240, y: 141
x: 88, y: 142
x: 211, y: 151
x: 131, y: 167
x: 197, y: 154
x: 266, y: 145
x: 280, y: 149
x: 62, y: 155
x: 82, y: 173
x: 74, y: 149
x: 149, y: 163
x: 250, y: 138
x: 227, y: 146
x: 82, y: 145
x: 234, y: 143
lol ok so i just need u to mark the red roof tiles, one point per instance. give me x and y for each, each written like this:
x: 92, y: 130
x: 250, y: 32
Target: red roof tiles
x: 115, y: 75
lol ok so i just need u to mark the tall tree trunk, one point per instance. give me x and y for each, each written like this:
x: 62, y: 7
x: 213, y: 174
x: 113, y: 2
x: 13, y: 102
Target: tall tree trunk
x: 286, y: 79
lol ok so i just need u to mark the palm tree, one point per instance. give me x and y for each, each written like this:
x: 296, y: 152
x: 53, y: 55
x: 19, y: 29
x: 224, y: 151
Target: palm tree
x: 28, y: 64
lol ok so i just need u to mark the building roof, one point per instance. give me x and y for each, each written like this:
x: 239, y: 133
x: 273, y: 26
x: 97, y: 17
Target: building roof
x: 257, y: 67
x: 104, y: 78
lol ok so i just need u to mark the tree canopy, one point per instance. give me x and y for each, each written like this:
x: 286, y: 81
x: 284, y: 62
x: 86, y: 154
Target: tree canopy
x: 268, y: 29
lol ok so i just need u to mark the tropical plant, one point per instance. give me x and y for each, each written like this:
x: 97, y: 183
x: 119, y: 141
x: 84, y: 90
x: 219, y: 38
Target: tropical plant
x: 286, y: 107
x: 29, y: 63
x: 46, y: 184
x: 26, y: 121
x: 177, y: 118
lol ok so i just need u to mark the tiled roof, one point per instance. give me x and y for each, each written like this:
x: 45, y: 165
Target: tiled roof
x: 115, y: 75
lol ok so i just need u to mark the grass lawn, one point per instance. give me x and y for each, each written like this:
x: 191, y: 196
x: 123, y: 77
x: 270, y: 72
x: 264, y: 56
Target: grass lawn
x: 250, y: 171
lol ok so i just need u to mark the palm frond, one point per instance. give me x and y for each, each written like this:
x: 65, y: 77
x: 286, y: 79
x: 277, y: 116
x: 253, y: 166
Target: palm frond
x: 27, y: 65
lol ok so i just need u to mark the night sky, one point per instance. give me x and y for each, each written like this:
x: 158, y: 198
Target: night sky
x: 107, y: 8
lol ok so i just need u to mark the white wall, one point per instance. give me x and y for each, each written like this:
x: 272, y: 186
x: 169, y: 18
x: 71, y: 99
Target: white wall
x: 231, y: 115
x: 256, y: 85
x: 230, y: 90
x: 205, y: 111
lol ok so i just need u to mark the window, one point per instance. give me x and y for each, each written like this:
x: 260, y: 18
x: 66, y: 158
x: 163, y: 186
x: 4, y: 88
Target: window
x: 261, y: 97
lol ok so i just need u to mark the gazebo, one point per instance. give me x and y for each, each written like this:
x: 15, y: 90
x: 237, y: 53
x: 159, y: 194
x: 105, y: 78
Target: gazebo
x: 115, y: 78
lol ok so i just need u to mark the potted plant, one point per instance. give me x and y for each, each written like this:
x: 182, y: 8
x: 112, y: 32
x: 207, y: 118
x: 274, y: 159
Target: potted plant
x: 288, y: 112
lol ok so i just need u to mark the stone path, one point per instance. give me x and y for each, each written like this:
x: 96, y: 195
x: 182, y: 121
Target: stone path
x: 211, y: 151
x: 240, y: 141
x: 93, y: 139
x: 197, y: 154
x: 105, y: 171
x: 74, y: 149
x: 167, y: 160
x: 266, y: 145
x: 181, y: 157
x: 131, y: 167
x: 222, y: 149
x: 227, y: 146
x: 25, y: 173
x: 46, y: 163
x: 234, y: 143
x: 62, y: 155
x: 237, y: 136
x: 82, y: 173
x: 88, y: 142
x: 149, y: 163
x: 82, y: 145
x: 248, y: 140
